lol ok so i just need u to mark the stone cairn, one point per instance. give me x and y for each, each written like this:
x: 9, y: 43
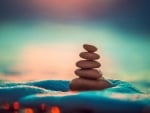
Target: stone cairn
x: 89, y: 78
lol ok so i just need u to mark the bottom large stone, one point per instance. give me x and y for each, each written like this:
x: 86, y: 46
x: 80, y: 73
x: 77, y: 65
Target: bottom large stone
x: 86, y: 84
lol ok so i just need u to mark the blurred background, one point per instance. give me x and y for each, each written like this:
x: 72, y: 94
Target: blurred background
x: 42, y: 39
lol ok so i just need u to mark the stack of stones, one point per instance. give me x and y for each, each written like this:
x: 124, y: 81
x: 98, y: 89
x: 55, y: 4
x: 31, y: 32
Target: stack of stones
x: 89, y: 78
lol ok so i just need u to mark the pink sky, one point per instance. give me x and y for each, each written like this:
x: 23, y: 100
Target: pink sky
x: 63, y: 9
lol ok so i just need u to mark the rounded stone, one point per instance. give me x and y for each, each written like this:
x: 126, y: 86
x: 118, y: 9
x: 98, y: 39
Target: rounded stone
x: 89, y: 48
x: 89, y: 56
x: 81, y: 84
x: 86, y: 64
x: 88, y: 73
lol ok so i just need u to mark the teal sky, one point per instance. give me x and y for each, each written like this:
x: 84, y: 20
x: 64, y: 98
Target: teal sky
x: 129, y: 51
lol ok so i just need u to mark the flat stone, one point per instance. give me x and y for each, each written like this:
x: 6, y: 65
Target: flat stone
x: 89, y: 48
x: 86, y: 64
x: 81, y: 84
x: 88, y: 73
x: 89, y: 56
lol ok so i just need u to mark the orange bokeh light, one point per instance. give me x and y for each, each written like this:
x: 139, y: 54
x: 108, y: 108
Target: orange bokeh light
x: 6, y: 106
x: 43, y: 107
x: 16, y: 105
x: 28, y: 110
x: 55, y: 109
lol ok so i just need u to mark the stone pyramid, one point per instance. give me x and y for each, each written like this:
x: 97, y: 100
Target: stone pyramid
x: 89, y: 77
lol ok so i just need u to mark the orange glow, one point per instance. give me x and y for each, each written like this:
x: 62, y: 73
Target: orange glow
x: 43, y: 62
x: 55, y: 109
x: 43, y: 107
x: 54, y: 62
x: 28, y: 110
x: 16, y: 105
x: 6, y: 106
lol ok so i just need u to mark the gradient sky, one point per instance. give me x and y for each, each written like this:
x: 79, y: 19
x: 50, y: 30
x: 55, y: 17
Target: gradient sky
x: 41, y: 39
x: 49, y: 51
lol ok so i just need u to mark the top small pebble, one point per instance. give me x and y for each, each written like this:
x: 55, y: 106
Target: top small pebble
x: 89, y: 48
